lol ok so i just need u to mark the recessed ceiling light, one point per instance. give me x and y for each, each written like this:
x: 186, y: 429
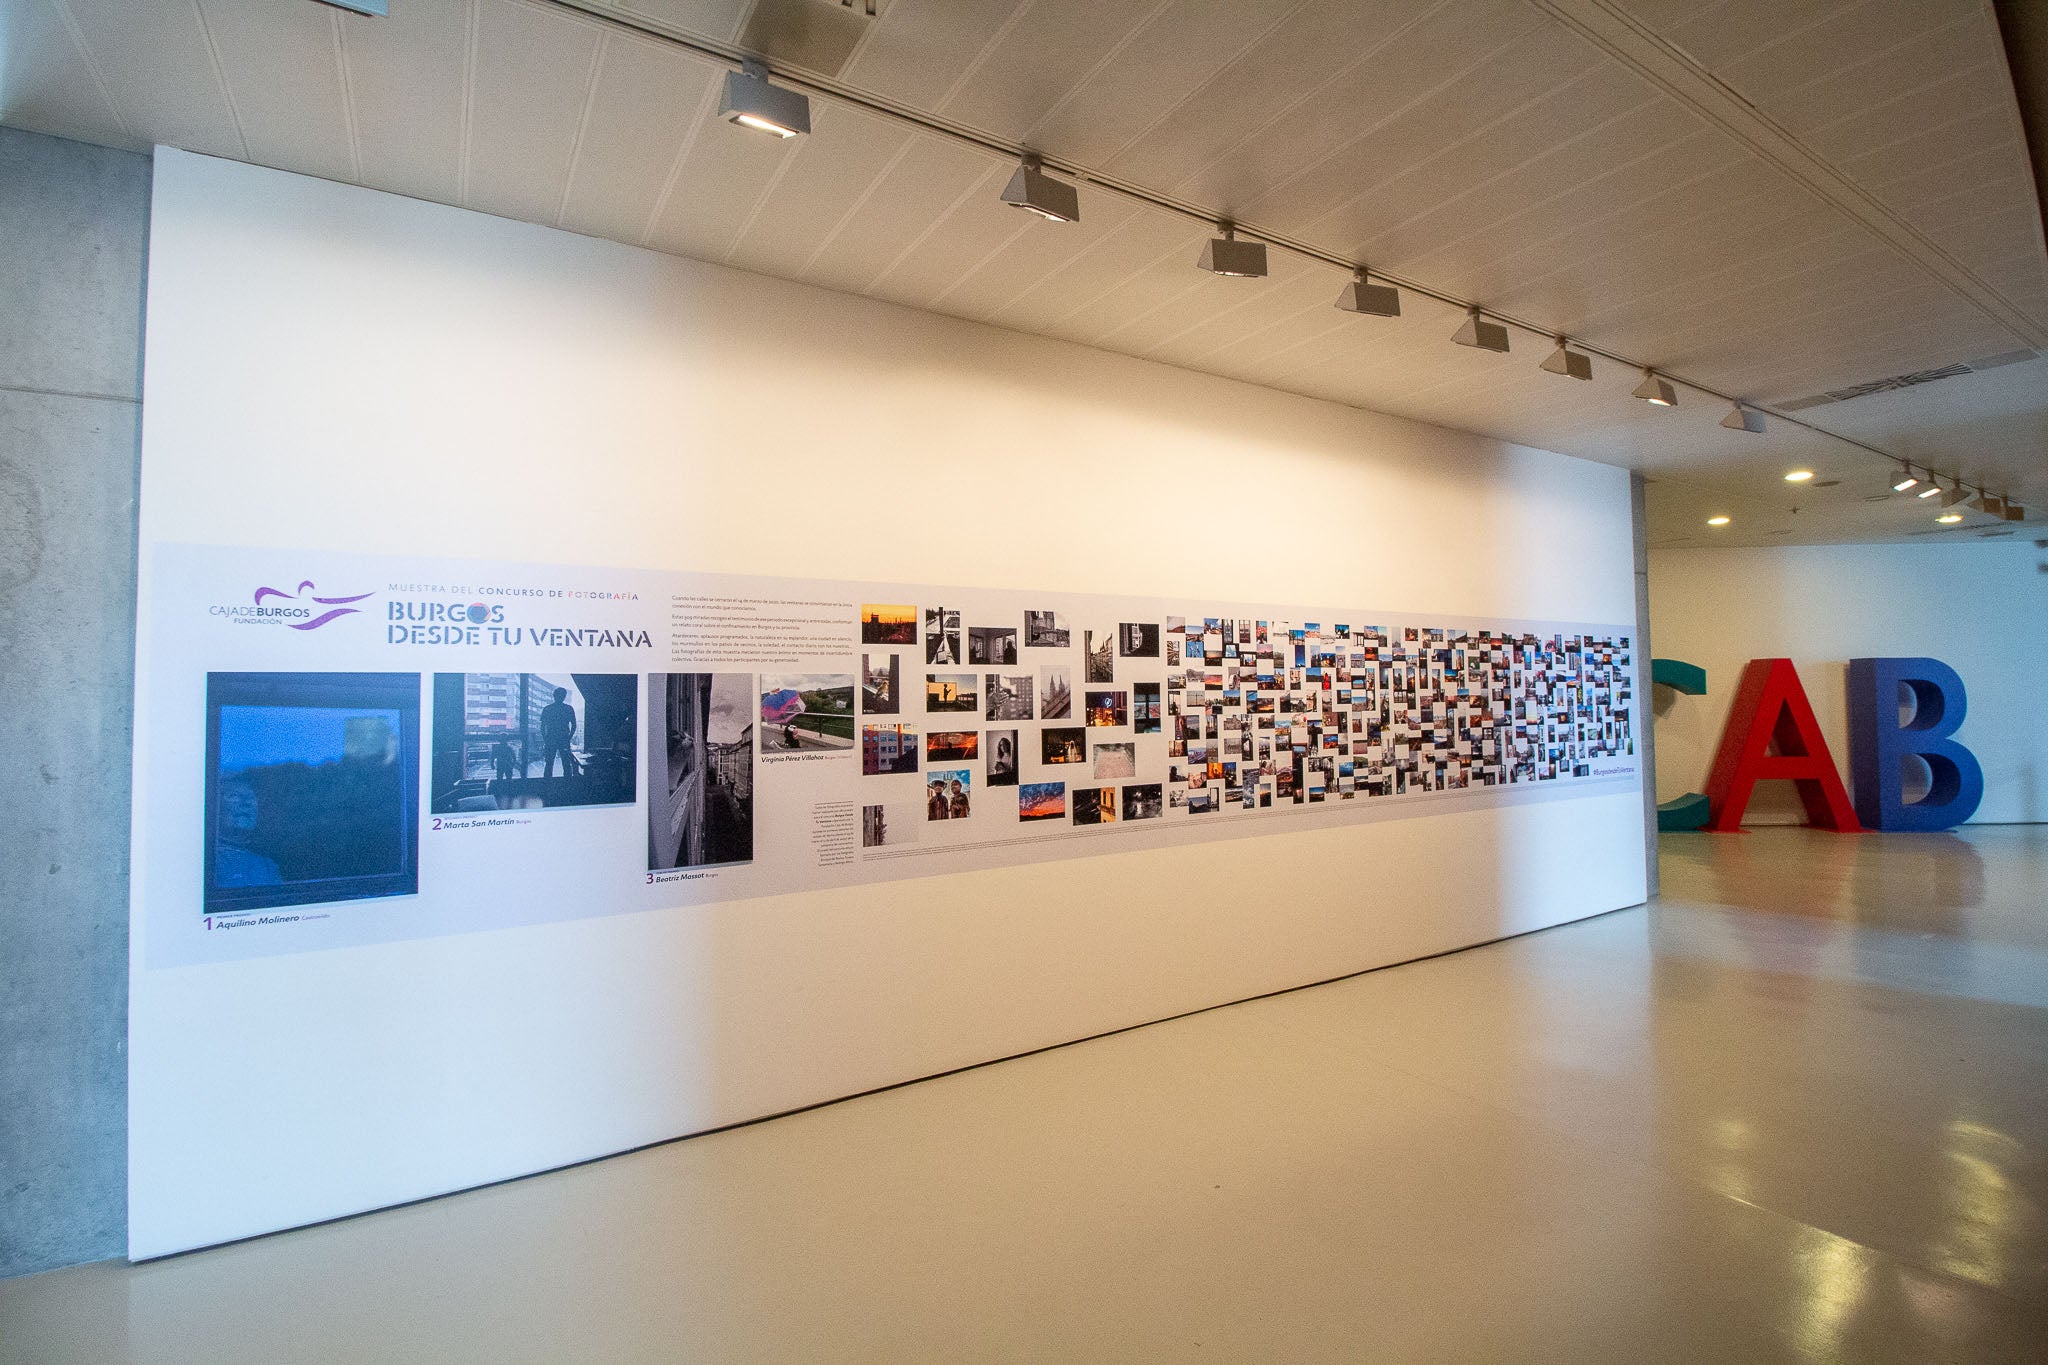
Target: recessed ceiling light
x: 1717, y: 521
x: 1477, y: 331
x: 1655, y: 391
x: 751, y: 102
x: 1949, y: 518
x: 1226, y: 255
x: 1572, y: 364
x: 1799, y: 476
x: 1374, y: 300
x: 1032, y: 190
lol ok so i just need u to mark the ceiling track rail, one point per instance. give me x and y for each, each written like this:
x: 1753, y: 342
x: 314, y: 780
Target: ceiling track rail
x: 732, y: 56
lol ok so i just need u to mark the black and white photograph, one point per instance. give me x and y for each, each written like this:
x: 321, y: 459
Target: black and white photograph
x: 311, y: 788
x: 890, y: 824
x: 992, y: 645
x: 1142, y: 801
x: 942, y: 635
x: 700, y: 773
x: 1138, y: 640
x: 1063, y: 744
x: 1099, y: 656
x: 881, y: 684
x: 952, y: 692
x: 1009, y: 695
x: 1001, y: 748
x: 1043, y: 630
x: 533, y: 741
x: 1055, y: 692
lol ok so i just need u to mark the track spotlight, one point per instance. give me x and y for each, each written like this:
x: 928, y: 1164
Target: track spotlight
x: 1906, y: 481
x: 1374, y: 300
x: 1799, y: 476
x: 1477, y: 331
x: 1740, y: 418
x: 1565, y: 361
x: 1656, y: 391
x: 751, y: 102
x: 1951, y: 496
x: 1933, y: 490
x: 1226, y: 255
x: 1988, y: 504
x: 1717, y: 521
x: 1032, y: 190
x: 2014, y: 512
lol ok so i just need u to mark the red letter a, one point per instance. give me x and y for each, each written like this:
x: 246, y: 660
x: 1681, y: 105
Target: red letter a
x: 1769, y: 705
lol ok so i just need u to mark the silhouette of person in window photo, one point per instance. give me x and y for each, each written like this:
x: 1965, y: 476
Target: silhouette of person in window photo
x: 557, y: 729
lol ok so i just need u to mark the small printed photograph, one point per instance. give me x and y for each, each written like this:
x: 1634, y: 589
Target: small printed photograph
x: 1094, y: 805
x: 1063, y: 744
x: 992, y: 645
x: 1138, y: 640
x: 531, y: 741
x: 1099, y: 651
x: 1042, y: 630
x: 700, y: 771
x: 1108, y: 708
x: 887, y: 623
x: 946, y: 793
x: 312, y: 788
x: 806, y: 712
x: 1009, y: 696
x: 1055, y: 692
x: 888, y: 824
x: 886, y: 749
x: 951, y: 692
x: 951, y: 746
x: 1042, y: 801
x: 1142, y: 801
x: 1173, y: 643
x: 942, y: 635
x: 881, y: 684
x: 1145, y: 708
x: 1002, y: 758
x: 1116, y: 760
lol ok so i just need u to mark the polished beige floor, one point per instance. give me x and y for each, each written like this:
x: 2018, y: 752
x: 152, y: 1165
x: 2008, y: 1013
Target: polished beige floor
x: 1795, y: 1110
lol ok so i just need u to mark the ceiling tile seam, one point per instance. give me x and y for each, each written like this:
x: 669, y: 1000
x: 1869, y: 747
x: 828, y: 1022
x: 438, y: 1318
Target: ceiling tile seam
x: 1288, y: 326
x: 979, y: 186
x: 1962, y: 18
x: 473, y: 21
x: 1100, y: 336
x: 1214, y: 316
x: 860, y: 201
x: 1125, y: 280
x: 969, y: 273
x: 1753, y: 281
x: 1445, y: 203
x: 1176, y: 110
x: 1100, y: 64
x: 1075, y: 257
x: 791, y: 149
x: 745, y: 17
x: 1853, y: 164
x: 1607, y: 27
x: 1783, y: 36
x: 980, y: 59
x: 684, y: 147
x: 1320, y: 164
x: 220, y: 78
x: 346, y: 76
x: 591, y: 82
x: 1287, y: 111
x: 92, y: 66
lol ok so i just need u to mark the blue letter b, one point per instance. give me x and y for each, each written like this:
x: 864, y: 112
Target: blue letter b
x: 1878, y: 744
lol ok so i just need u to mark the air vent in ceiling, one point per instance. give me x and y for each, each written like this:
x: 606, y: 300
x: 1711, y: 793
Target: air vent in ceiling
x: 1904, y: 381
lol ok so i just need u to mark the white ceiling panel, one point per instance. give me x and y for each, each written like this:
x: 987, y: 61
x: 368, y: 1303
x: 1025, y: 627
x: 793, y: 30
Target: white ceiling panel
x: 1771, y: 197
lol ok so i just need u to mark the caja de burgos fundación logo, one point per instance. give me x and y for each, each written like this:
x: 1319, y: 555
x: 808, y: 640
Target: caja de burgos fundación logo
x: 302, y: 609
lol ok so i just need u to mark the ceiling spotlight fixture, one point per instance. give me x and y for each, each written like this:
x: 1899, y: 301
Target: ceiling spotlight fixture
x: 1477, y: 331
x: 1951, y: 496
x: 1375, y: 300
x: 1799, y: 476
x: 2014, y: 512
x: 1656, y: 391
x: 1226, y: 255
x: 1717, y: 521
x: 751, y: 102
x: 1565, y: 361
x: 1933, y: 490
x: 1032, y: 190
x: 1740, y: 418
x: 1949, y: 518
x: 1986, y: 503
x: 1906, y: 481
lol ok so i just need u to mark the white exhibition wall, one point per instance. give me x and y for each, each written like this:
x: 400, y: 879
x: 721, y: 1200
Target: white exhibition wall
x: 1979, y: 606
x: 333, y: 369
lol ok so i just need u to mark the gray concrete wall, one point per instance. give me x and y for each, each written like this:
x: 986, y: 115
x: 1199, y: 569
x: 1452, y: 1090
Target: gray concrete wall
x: 74, y: 225
x: 1647, y: 741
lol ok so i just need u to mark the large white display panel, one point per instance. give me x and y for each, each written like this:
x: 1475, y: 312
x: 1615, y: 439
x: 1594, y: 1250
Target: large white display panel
x: 335, y: 372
